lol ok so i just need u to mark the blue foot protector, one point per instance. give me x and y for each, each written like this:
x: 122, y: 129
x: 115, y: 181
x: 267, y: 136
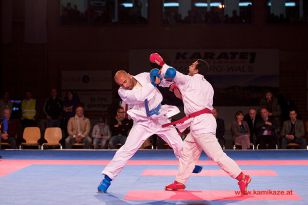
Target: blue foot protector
x: 104, y: 185
x: 197, y: 169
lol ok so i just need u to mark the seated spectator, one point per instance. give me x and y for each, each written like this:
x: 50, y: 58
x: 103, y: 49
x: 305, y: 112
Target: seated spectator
x: 293, y: 131
x: 252, y: 119
x: 274, y: 111
x: 53, y: 109
x: 240, y: 131
x: 5, y: 102
x: 120, y: 127
x: 220, y: 130
x: 28, y: 108
x: 265, y: 131
x: 78, y: 129
x: 101, y: 134
x: 9, y: 129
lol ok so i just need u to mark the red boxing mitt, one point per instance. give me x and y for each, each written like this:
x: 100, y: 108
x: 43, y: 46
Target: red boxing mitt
x: 156, y: 58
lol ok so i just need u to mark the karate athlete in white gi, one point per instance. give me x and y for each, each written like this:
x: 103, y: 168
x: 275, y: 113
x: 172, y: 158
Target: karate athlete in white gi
x: 144, y: 101
x: 197, y: 95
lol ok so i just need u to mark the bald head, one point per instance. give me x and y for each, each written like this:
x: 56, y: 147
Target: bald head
x: 120, y: 74
x: 124, y: 80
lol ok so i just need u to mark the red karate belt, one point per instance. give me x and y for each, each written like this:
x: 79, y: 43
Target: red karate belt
x: 192, y: 115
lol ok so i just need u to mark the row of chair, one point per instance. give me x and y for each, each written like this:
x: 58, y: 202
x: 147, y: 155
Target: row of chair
x: 252, y: 146
x: 53, y: 135
x: 290, y: 145
x: 31, y: 135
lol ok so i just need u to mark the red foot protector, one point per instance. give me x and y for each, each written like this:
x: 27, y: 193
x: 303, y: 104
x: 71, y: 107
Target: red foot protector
x: 143, y: 195
x: 166, y: 172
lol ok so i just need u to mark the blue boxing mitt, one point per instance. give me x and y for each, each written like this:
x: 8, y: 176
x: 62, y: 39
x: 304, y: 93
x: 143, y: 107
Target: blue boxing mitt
x: 170, y: 74
x: 154, y: 73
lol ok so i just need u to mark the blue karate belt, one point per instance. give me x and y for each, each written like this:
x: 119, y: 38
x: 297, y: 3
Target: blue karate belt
x: 149, y: 112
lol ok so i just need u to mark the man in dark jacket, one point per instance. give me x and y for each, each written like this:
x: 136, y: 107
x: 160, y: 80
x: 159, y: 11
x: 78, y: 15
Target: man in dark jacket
x: 252, y: 119
x: 274, y: 111
x: 53, y: 109
x: 120, y: 126
x: 265, y: 130
x: 293, y: 131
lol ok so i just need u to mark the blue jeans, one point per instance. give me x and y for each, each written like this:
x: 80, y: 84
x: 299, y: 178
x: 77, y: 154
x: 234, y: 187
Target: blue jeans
x: 301, y: 141
x: 117, y: 140
x: 99, y: 143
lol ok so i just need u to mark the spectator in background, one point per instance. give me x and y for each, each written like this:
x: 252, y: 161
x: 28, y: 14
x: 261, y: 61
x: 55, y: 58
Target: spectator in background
x: 28, y: 108
x: 78, y: 128
x: 120, y: 127
x: 271, y: 104
x: 69, y: 105
x: 293, y: 131
x: 265, y: 131
x: 5, y: 103
x: 9, y: 129
x: 101, y: 134
x: 252, y: 119
x: 220, y: 130
x: 53, y: 109
x: 240, y: 131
